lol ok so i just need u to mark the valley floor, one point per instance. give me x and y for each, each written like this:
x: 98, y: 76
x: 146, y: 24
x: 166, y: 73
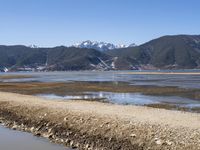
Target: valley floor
x: 94, y: 125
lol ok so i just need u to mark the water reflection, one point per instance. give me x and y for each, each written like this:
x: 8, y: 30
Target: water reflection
x: 128, y: 98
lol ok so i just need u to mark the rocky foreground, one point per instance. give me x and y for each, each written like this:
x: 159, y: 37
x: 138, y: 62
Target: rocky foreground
x: 93, y: 125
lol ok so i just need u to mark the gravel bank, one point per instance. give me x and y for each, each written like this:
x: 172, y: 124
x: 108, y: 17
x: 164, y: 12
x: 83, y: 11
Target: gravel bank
x: 93, y: 125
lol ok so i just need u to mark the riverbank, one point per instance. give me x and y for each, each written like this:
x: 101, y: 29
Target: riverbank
x: 94, y: 125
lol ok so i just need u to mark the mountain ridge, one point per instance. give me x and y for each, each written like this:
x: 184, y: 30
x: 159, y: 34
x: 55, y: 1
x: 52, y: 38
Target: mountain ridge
x: 166, y: 52
x: 101, y: 46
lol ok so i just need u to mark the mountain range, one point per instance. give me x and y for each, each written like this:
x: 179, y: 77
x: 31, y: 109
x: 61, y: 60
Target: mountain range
x: 101, y: 46
x: 167, y: 52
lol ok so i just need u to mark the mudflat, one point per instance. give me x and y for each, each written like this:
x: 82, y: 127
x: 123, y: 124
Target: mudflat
x: 15, y: 76
x: 162, y: 73
x: 94, y: 125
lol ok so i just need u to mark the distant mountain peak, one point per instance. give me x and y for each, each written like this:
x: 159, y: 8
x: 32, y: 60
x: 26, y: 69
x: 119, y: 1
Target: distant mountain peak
x: 101, y: 46
x: 33, y: 46
x: 132, y: 45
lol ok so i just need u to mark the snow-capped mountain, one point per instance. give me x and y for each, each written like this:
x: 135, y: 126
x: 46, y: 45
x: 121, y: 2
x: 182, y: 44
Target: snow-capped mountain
x: 101, y: 46
x: 33, y: 46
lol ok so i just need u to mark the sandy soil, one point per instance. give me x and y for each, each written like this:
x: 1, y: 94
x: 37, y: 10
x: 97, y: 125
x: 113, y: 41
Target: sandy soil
x: 94, y: 125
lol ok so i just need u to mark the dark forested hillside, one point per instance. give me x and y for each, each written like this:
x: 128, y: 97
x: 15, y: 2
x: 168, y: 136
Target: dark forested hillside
x: 12, y: 56
x: 62, y: 58
x: 181, y: 51
x: 168, y: 52
x: 59, y: 58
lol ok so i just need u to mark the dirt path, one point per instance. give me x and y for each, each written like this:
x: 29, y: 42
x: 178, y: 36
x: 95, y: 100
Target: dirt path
x: 94, y: 125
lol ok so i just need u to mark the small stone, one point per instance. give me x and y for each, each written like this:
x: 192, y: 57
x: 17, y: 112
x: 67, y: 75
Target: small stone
x: 50, y: 136
x: 87, y: 146
x: 14, y: 127
x: 32, y: 129
x: 133, y: 135
x: 48, y: 124
x: 168, y: 142
x: 159, y: 142
x: 65, y: 119
x: 67, y: 141
x: 50, y: 130
x: 77, y: 145
x: 156, y: 139
x: 71, y: 143
x: 37, y: 134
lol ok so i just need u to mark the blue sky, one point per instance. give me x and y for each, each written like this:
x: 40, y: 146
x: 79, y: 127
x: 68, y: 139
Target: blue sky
x: 65, y: 22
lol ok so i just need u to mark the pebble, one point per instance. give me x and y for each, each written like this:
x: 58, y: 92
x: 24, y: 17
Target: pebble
x: 14, y: 127
x: 32, y: 129
x: 159, y: 142
x: 133, y: 135
x: 168, y: 142
x: 65, y: 119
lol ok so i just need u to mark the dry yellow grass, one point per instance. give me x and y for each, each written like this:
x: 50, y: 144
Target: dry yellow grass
x: 15, y: 76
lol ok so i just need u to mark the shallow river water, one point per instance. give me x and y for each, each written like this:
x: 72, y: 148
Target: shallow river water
x: 128, y: 98
x: 16, y: 140
x: 189, y: 81
x: 183, y: 81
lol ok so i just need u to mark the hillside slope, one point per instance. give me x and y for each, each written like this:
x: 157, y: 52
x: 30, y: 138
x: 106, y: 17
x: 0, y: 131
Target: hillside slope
x: 22, y: 58
x: 167, y: 52
x: 62, y: 58
x: 181, y: 51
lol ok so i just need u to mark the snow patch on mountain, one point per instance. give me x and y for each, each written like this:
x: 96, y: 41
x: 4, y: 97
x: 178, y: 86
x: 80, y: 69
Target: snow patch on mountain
x: 101, y: 46
x: 33, y: 46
